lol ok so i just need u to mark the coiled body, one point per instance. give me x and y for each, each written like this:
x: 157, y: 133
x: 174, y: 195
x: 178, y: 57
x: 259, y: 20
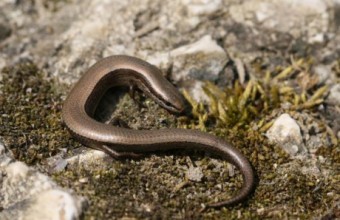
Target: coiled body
x: 79, y: 108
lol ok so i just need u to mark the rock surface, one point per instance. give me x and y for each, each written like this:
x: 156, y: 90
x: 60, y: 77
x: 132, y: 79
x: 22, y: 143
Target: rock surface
x: 334, y: 94
x: 28, y: 194
x: 287, y: 17
x: 286, y: 132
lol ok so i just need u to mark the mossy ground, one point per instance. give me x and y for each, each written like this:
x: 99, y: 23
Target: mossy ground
x: 30, y: 107
x: 156, y: 187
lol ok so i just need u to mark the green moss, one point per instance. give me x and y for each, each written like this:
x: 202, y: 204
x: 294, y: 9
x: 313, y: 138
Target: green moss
x: 30, y: 112
x: 331, y: 153
x: 240, y: 114
x: 238, y: 106
x: 155, y: 187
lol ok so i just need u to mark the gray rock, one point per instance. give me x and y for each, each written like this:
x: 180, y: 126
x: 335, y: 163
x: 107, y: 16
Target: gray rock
x: 286, y: 132
x: 195, y: 174
x: 192, y: 63
x: 202, y: 60
x: 28, y: 194
x: 202, y: 7
x: 194, y: 87
x: 89, y: 160
x: 48, y: 204
x: 334, y: 94
x: 287, y: 16
x: 323, y: 73
x: 56, y: 163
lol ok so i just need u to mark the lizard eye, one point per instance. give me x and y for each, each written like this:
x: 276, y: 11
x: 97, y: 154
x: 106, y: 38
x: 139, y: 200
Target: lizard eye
x: 168, y: 104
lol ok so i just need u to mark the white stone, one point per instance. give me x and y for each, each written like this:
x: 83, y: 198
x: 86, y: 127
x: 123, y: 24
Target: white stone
x: 88, y: 159
x: 201, y: 60
x: 28, y: 194
x: 334, y: 94
x: 197, y: 93
x: 206, y: 45
x: 161, y: 60
x: 194, y: 174
x: 293, y: 150
x: 16, y: 171
x: 317, y: 38
x: 53, y: 205
x: 22, y: 183
x: 286, y: 126
x: 93, y: 31
x: 200, y: 7
x: 323, y: 72
x: 286, y: 132
x: 308, y: 18
x: 60, y: 165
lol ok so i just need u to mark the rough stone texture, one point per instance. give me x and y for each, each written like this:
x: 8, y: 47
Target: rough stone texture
x: 75, y: 36
x: 334, y: 94
x: 202, y: 60
x: 287, y: 16
x: 286, y: 132
x: 51, y: 204
x: 323, y: 73
x: 90, y: 159
x: 28, y: 194
x: 194, y: 174
x: 192, y: 63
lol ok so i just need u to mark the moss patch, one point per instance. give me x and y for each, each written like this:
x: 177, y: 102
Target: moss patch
x: 241, y: 114
x: 156, y: 187
x: 30, y: 114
